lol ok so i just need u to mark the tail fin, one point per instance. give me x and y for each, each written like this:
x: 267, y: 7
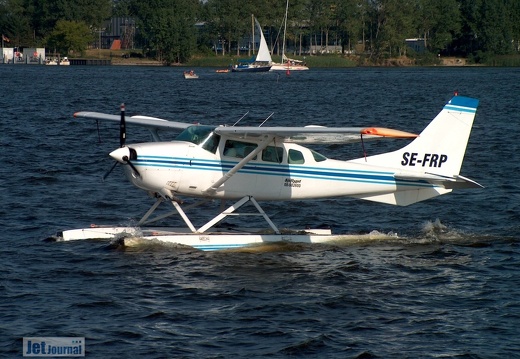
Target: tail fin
x: 441, y: 145
x: 433, y: 159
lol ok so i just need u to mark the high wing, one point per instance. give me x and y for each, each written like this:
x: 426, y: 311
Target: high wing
x: 314, y: 134
x: 300, y: 135
x: 153, y: 124
x: 145, y: 121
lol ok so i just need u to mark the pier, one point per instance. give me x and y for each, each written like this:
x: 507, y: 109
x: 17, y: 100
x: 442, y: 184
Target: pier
x: 91, y: 62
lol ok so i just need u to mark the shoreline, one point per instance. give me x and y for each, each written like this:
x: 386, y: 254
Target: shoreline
x: 135, y: 58
x: 445, y: 62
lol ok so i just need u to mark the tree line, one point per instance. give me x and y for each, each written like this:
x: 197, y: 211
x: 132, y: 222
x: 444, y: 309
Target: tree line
x: 477, y: 29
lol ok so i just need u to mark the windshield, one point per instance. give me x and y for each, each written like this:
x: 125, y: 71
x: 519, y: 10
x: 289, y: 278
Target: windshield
x: 198, y: 134
x: 195, y: 134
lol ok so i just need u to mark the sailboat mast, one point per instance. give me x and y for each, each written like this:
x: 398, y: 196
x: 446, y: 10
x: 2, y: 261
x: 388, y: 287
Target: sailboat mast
x: 253, y: 31
x: 285, y: 29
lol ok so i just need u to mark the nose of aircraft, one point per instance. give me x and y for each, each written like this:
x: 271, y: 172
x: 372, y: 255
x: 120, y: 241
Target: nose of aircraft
x: 121, y: 155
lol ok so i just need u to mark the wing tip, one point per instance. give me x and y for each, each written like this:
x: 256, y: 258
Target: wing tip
x: 387, y: 132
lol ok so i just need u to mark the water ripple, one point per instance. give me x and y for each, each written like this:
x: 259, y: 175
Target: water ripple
x: 437, y: 279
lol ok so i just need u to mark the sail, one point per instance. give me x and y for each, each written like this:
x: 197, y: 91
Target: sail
x: 263, y: 52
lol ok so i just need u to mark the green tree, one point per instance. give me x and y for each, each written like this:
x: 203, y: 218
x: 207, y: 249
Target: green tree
x: 495, y: 27
x: 230, y: 22
x: 69, y: 37
x: 468, y: 41
x: 489, y: 27
x: 350, y: 22
x: 392, y: 23
x: 167, y: 27
x: 45, y: 14
x: 438, y: 23
x: 15, y: 23
x: 297, y: 24
x: 514, y: 12
x: 322, y: 20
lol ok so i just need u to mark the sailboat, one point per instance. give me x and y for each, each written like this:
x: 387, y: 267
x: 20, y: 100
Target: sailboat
x: 261, y: 62
x: 288, y: 64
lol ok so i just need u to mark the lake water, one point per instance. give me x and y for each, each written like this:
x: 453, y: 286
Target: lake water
x: 447, y: 286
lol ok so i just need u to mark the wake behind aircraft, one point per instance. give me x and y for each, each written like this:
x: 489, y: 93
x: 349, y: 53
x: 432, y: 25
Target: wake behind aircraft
x: 244, y: 164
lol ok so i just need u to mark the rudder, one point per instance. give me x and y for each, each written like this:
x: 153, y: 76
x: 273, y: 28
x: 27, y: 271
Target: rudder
x: 440, y: 147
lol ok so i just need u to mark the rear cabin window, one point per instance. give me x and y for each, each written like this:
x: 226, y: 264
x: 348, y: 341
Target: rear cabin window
x: 295, y: 157
x: 318, y: 157
x: 238, y: 149
x: 272, y: 154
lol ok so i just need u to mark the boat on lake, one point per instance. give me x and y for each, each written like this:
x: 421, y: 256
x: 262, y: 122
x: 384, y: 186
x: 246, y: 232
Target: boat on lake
x: 51, y: 62
x: 288, y: 64
x: 190, y: 75
x: 262, y: 62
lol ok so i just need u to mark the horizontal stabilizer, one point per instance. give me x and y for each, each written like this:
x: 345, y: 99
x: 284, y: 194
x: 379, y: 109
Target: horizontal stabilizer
x: 405, y: 198
x: 454, y: 182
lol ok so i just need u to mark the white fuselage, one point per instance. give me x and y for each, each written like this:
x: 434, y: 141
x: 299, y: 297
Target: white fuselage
x: 185, y: 168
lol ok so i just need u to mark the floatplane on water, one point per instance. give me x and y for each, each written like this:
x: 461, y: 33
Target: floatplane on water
x: 248, y: 165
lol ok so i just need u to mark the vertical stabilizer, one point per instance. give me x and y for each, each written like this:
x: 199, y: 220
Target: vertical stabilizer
x: 440, y: 147
x: 429, y: 166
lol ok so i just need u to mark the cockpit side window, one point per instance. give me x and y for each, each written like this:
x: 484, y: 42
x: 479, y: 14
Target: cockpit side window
x: 211, y: 142
x: 272, y: 154
x: 238, y: 149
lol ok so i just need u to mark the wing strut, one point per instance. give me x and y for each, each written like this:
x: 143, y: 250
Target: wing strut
x: 230, y: 211
x: 239, y: 165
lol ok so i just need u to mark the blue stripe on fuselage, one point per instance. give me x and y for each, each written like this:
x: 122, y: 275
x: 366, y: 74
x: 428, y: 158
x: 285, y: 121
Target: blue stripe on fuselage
x: 277, y: 170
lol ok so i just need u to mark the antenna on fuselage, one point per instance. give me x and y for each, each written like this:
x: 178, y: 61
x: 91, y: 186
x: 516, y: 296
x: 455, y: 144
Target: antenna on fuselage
x: 268, y: 117
x: 240, y: 119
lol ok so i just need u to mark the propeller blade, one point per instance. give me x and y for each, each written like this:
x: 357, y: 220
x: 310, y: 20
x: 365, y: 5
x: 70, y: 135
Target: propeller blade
x: 120, y: 152
x: 122, y: 127
x: 128, y: 162
x: 110, y: 170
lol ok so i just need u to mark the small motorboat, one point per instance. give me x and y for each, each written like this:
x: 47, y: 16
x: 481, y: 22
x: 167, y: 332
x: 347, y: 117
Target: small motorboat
x: 190, y: 75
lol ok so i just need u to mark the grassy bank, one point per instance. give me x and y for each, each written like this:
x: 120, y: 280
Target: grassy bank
x: 311, y: 61
x: 135, y: 57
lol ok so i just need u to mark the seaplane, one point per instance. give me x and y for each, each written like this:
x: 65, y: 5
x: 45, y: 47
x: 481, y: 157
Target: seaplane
x: 214, y: 165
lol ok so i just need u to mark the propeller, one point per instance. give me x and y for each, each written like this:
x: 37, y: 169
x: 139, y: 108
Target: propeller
x: 127, y: 160
x: 122, y: 127
x: 121, y: 156
x: 110, y: 170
